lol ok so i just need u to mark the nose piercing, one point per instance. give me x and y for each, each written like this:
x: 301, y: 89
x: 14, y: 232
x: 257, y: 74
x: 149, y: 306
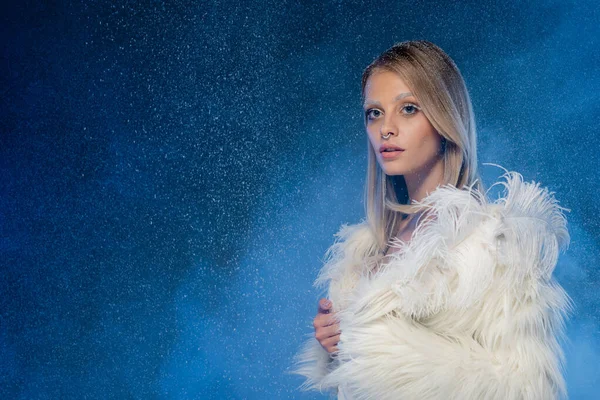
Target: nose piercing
x: 386, y: 136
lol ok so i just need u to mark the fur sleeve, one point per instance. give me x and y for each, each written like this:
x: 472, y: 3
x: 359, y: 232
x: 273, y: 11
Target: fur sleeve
x: 342, y: 266
x: 313, y: 363
x: 511, y: 350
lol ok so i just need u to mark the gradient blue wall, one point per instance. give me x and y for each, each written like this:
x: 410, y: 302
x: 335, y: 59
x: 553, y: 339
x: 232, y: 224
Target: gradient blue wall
x: 171, y: 174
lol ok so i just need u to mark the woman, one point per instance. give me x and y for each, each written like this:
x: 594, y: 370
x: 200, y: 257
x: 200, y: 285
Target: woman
x: 439, y: 293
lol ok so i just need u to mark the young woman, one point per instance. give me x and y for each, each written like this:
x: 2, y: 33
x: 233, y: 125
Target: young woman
x: 438, y: 293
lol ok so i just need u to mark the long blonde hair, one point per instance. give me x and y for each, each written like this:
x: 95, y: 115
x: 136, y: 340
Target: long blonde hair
x: 436, y: 82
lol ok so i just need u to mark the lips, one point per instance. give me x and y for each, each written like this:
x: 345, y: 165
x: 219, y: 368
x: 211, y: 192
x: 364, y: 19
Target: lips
x: 389, y: 151
x: 389, y: 147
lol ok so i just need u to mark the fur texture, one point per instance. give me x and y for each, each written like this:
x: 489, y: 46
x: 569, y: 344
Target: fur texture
x: 468, y: 309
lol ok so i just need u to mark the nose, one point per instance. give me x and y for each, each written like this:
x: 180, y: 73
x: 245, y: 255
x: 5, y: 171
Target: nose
x: 388, y: 127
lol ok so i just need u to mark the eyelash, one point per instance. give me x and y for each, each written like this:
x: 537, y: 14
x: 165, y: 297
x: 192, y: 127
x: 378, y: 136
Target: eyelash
x: 417, y: 108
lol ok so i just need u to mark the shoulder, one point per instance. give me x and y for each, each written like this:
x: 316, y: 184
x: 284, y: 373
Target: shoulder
x: 525, y: 211
x: 476, y: 250
x: 352, y: 243
x: 522, y: 233
x: 531, y: 229
x: 354, y: 237
x: 525, y: 227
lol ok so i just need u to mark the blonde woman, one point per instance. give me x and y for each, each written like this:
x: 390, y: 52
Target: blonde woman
x: 438, y: 293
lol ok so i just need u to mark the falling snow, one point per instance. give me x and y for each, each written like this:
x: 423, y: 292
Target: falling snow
x: 172, y: 174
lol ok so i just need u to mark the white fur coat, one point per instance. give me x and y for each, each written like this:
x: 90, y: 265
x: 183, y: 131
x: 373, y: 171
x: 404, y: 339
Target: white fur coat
x: 468, y: 309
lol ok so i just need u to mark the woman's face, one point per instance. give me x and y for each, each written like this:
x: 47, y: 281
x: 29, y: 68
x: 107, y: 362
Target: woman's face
x: 390, y: 108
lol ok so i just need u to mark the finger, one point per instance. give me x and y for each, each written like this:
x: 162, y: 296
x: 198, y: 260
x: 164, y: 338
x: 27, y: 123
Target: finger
x: 327, y: 332
x: 331, y: 344
x: 325, y: 320
x: 331, y: 330
x: 324, y: 306
x: 331, y: 341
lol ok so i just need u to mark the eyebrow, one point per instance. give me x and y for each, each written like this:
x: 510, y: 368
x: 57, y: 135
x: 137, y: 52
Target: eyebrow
x: 399, y: 97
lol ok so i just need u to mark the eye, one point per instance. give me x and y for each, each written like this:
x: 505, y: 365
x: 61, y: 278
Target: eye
x: 410, y: 108
x: 372, y: 113
x: 406, y: 109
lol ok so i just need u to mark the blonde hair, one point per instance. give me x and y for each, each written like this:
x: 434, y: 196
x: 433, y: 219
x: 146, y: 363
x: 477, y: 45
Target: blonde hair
x: 434, y: 79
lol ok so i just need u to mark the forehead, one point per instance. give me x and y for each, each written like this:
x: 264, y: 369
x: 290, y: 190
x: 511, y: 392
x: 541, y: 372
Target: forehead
x: 384, y: 84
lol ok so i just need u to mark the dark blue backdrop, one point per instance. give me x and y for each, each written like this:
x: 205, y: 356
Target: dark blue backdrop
x: 171, y: 174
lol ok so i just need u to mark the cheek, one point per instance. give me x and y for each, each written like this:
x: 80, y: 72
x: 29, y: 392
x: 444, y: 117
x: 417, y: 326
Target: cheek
x: 430, y: 147
x: 428, y: 137
x: 372, y: 134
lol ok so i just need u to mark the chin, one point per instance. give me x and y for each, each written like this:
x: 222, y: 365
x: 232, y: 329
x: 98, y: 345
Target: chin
x: 392, y: 170
x: 394, y: 173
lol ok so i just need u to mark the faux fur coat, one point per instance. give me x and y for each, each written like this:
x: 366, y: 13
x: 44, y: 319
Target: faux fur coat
x: 467, y: 309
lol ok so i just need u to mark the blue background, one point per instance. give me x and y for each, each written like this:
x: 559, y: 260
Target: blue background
x: 171, y: 174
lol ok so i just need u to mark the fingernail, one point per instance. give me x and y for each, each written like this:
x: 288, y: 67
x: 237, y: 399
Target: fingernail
x: 327, y: 303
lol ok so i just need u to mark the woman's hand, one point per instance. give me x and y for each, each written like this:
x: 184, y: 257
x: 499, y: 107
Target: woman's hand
x: 326, y: 329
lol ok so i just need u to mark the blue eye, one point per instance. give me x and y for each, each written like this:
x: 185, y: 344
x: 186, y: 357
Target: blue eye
x: 412, y: 107
x: 368, y: 113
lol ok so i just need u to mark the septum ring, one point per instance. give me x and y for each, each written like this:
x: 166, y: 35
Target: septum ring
x: 386, y: 136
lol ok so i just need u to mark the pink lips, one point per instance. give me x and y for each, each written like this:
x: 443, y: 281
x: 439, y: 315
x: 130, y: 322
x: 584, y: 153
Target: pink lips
x: 388, y: 146
x: 391, y: 154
